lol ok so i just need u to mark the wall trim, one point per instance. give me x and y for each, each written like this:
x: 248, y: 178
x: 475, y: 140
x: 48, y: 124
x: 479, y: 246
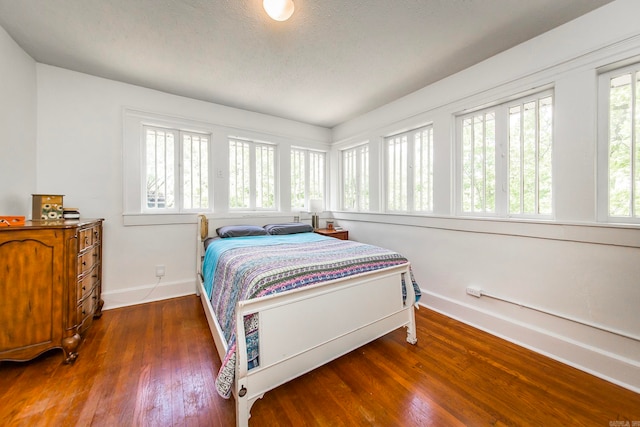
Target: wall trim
x: 148, y: 293
x: 602, y: 364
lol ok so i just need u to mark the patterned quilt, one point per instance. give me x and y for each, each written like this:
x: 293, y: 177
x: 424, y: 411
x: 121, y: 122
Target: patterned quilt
x: 242, y: 268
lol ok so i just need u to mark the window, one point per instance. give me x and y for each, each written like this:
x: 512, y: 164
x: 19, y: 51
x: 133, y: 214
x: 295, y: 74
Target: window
x: 521, y: 133
x: 619, y: 150
x: 176, y: 170
x: 252, y: 176
x: 307, y: 177
x: 410, y: 171
x: 355, y: 178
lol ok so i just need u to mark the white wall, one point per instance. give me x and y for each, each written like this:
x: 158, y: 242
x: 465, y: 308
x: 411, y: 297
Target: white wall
x: 80, y: 147
x: 575, y: 267
x: 18, y: 125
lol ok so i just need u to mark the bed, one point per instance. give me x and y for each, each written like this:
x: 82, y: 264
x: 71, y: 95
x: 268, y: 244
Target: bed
x: 284, y: 304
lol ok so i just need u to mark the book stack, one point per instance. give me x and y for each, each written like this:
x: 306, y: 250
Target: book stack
x: 71, y: 213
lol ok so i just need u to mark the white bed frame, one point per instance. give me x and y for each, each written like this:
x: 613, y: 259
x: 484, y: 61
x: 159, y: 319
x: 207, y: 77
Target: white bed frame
x: 331, y: 319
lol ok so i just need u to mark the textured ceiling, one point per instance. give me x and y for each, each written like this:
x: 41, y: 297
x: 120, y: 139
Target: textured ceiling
x: 332, y: 61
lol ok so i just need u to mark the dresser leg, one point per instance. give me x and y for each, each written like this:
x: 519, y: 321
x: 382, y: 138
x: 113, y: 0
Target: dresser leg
x: 98, y: 312
x: 70, y: 345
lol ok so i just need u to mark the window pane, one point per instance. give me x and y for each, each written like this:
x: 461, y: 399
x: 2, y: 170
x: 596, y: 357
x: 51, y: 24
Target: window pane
x: 355, y: 178
x: 239, y: 174
x: 515, y: 159
x: 349, y: 178
x: 478, y: 163
x: 490, y: 163
x: 363, y: 175
x: 316, y: 175
x: 530, y: 154
x: 545, y: 182
x: 265, y: 177
x: 620, y: 126
x: 195, y: 149
x: 529, y: 158
x: 160, y: 161
x: 397, y: 173
x: 636, y: 145
x: 423, y: 170
x: 298, y: 183
x: 467, y: 165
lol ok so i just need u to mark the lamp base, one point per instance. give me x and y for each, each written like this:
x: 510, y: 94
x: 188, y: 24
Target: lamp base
x: 315, y: 221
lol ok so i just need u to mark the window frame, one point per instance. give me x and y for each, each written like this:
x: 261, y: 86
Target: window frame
x: 501, y: 110
x: 254, y: 145
x: 306, y: 154
x: 179, y: 171
x: 631, y: 66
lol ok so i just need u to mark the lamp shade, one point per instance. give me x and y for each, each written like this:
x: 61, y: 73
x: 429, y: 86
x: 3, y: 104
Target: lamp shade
x: 279, y: 10
x: 316, y: 205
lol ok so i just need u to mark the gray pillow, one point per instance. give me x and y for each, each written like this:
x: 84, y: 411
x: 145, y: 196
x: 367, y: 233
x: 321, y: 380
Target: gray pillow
x: 288, y: 228
x: 241, y: 231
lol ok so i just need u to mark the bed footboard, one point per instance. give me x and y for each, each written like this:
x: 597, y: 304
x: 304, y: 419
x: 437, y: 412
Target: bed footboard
x: 302, y: 330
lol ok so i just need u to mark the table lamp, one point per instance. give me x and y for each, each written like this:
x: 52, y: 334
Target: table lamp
x: 315, y: 206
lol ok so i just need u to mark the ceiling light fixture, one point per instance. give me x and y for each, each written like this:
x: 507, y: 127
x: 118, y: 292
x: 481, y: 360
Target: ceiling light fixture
x: 279, y: 10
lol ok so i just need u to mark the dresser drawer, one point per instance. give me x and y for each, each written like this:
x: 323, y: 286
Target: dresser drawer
x: 88, y: 237
x: 87, y: 282
x: 86, y: 306
x: 88, y: 259
x: 86, y: 311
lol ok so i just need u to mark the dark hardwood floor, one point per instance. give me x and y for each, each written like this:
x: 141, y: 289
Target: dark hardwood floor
x: 155, y: 364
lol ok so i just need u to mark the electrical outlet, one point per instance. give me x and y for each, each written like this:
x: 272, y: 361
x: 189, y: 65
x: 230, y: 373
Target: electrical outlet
x: 474, y: 291
x: 159, y: 270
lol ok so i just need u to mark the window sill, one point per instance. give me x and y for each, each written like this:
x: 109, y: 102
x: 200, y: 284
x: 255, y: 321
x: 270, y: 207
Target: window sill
x: 143, y: 219
x: 140, y: 219
x: 626, y: 235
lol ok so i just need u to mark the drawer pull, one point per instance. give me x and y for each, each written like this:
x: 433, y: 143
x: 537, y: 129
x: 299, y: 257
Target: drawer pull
x: 84, y: 289
x: 84, y: 263
x: 84, y: 312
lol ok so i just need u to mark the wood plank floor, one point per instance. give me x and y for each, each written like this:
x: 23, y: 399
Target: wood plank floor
x: 155, y: 364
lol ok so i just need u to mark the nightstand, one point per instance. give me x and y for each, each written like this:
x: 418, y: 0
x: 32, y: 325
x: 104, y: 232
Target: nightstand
x: 338, y: 234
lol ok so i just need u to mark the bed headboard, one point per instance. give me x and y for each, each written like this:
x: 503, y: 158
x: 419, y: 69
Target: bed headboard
x: 207, y: 224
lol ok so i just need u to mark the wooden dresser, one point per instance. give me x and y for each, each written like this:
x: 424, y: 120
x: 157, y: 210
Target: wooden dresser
x: 50, y: 286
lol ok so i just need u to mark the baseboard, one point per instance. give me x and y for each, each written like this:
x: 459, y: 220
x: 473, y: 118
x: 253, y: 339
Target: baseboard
x: 148, y: 293
x: 598, y: 362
